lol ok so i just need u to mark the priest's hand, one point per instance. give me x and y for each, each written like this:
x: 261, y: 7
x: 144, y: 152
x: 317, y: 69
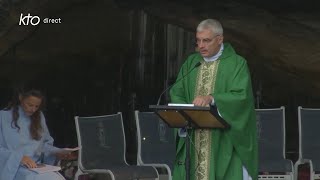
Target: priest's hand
x: 28, y: 162
x: 202, y: 100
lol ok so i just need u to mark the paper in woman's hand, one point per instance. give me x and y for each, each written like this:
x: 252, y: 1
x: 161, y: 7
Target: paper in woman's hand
x: 68, y: 150
x: 66, y: 153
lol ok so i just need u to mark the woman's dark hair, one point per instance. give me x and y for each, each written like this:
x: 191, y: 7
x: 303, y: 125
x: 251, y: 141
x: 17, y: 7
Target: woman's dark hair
x: 35, y: 126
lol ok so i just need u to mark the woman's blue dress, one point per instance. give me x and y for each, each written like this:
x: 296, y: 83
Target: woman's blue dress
x: 14, y: 144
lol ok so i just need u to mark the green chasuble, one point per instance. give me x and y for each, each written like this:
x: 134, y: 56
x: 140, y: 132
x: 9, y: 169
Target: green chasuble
x: 219, y: 154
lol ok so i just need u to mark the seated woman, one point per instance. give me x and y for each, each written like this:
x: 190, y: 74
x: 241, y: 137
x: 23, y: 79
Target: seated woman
x: 25, y: 139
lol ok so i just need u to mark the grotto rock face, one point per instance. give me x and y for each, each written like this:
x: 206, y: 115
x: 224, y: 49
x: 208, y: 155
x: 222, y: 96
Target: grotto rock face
x: 281, y: 46
x: 280, y: 43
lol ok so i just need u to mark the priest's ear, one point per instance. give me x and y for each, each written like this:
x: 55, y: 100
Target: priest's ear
x: 220, y: 39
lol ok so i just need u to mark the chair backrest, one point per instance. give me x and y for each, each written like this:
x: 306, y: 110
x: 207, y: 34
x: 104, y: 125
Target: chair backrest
x: 101, y: 140
x: 271, y: 135
x: 309, y: 135
x: 156, y: 144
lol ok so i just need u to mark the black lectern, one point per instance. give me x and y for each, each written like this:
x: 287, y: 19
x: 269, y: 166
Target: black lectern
x: 188, y: 117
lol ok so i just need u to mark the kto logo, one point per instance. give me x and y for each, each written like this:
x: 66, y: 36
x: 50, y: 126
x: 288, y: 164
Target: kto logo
x: 26, y: 20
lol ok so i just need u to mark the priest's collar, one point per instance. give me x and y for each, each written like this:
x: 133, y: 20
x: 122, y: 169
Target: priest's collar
x: 216, y: 56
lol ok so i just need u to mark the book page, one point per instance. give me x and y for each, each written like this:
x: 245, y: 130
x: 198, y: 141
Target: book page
x: 186, y: 105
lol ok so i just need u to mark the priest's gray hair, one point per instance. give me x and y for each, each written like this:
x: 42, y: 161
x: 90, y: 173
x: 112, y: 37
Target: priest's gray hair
x: 211, y: 24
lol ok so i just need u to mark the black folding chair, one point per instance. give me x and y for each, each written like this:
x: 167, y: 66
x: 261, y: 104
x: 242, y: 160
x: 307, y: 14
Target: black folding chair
x: 102, y: 149
x: 309, y: 143
x: 271, y: 134
x: 156, y: 144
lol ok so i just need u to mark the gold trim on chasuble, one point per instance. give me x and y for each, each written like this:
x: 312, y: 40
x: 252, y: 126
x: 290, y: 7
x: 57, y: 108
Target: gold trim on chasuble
x: 204, y: 86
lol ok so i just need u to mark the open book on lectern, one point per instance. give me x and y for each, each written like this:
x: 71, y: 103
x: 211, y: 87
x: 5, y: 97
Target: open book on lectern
x: 190, y: 116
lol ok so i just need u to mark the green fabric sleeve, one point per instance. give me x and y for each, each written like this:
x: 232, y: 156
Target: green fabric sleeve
x: 236, y: 106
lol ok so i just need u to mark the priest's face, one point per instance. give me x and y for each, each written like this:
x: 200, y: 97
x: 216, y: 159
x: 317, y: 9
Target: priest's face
x: 30, y: 104
x: 208, y: 43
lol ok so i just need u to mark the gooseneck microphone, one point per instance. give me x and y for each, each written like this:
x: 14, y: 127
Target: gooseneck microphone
x: 195, y: 66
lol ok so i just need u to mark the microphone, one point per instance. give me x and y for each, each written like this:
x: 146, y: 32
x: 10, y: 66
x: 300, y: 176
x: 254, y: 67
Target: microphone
x: 195, y: 66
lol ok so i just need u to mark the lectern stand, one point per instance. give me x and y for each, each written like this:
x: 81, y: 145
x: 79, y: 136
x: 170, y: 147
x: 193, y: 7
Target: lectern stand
x: 190, y: 118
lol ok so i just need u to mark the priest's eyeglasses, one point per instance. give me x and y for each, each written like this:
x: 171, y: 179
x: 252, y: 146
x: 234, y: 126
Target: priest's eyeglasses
x: 205, y: 41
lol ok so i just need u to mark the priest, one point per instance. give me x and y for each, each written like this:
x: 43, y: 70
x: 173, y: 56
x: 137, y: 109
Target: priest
x: 222, y: 79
